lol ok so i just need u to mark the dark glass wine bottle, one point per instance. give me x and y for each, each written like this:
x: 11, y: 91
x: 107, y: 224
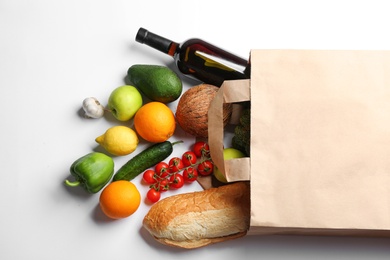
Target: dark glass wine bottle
x: 199, y: 59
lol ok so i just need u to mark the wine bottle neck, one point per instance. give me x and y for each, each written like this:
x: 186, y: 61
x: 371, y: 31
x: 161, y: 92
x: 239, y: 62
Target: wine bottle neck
x: 157, y: 42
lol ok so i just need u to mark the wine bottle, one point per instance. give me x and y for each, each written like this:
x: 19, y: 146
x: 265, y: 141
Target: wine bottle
x: 198, y: 59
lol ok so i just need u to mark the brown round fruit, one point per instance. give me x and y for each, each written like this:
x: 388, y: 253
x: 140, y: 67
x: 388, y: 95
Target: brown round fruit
x: 193, y: 106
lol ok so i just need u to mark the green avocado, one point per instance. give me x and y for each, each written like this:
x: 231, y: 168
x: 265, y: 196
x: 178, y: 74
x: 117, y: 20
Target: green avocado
x: 158, y: 83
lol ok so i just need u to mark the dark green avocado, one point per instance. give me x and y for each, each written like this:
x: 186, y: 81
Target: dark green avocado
x: 158, y: 83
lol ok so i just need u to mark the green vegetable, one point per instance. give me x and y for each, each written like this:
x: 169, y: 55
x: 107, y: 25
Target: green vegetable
x: 144, y: 160
x: 92, y: 171
x: 158, y: 83
x: 241, y: 139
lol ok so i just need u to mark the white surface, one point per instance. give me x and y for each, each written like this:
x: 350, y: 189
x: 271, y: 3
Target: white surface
x: 53, y: 54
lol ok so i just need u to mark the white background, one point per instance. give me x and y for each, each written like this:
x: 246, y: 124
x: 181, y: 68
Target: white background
x: 54, y: 53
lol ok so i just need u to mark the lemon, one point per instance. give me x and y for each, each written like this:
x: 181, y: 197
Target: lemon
x: 119, y: 140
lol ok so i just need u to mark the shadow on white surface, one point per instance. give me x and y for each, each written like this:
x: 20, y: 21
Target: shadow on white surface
x: 77, y: 192
x: 99, y: 217
x: 283, y: 245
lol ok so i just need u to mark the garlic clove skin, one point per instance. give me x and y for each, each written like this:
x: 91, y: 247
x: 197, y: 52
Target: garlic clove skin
x: 93, y: 108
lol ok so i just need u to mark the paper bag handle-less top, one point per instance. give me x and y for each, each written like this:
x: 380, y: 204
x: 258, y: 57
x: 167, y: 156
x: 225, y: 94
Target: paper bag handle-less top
x: 231, y: 91
x: 320, y: 141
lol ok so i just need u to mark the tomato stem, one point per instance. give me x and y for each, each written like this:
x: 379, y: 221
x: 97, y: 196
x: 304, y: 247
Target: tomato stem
x: 164, y: 179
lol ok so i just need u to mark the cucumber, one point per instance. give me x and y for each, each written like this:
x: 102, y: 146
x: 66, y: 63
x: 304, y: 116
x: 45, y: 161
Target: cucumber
x: 144, y: 160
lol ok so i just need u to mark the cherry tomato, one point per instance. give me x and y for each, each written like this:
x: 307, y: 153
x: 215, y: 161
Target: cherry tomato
x: 176, y: 181
x: 189, y: 158
x: 163, y: 185
x: 162, y: 169
x: 190, y: 174
x: 149, y: 176
x: 205, y: 168
x: 175, y: 164
x: 201, y: 149
x: 153, y: 195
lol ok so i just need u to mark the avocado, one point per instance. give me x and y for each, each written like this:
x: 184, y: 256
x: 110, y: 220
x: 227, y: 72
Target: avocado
x: 158, y: 83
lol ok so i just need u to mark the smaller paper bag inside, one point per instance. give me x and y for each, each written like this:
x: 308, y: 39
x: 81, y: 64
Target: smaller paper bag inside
x: 320, y: 143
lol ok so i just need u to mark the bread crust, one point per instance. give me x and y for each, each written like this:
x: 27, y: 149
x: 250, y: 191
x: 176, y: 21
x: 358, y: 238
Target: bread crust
x: 197, y: 219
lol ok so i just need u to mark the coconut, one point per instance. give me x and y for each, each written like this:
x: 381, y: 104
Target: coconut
x: 192, y: 109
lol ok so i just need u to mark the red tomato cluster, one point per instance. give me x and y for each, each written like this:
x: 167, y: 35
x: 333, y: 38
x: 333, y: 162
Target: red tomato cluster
x: 178, y: 171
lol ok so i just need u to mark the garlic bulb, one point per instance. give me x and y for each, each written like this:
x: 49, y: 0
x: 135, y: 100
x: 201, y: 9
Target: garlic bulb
x: 93, y: 108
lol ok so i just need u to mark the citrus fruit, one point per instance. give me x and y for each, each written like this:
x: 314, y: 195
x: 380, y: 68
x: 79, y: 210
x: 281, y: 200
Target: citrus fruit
x: 155, y: 122
x: 119, y: 140
x: 119, y: 199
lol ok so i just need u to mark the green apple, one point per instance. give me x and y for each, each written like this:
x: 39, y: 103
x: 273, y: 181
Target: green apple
x: 228, y: 153
x: 124, y: 102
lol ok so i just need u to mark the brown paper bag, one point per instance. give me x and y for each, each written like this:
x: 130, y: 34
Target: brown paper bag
x: 320, y: 141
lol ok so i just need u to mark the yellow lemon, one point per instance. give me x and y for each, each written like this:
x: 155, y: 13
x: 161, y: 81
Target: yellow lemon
x: 119, y: 140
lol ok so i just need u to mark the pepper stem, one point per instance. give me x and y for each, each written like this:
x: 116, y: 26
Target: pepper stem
x: 72, y: 184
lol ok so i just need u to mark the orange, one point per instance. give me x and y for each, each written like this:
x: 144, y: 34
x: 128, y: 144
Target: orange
x: 155, y: 122
x: 119, y: 199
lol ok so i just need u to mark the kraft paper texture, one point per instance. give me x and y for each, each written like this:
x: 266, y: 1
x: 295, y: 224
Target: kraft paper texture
x: 320, y: 142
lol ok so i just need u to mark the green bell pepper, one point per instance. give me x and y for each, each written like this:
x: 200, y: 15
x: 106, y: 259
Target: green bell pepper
x: 92, y: 171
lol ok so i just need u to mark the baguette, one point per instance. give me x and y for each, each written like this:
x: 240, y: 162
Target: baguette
x: 201, y: 218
